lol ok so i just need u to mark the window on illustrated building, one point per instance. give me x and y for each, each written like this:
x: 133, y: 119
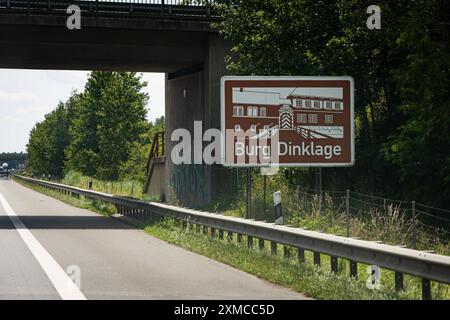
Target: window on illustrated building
x: 237, y: 128
x: 238, y: 111
x: 312, y: 118
x: 337, y: 105
x: 252, y: 111
x: 298, y: 103
x: 328, y: 118
x: 308, y: 104
x: 329, y: 105
x: 253, y: 128
x: 316, y: 104
x: 262, y: 112
x: 301, y: 118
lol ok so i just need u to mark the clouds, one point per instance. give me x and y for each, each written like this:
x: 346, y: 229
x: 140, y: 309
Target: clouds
x: 7, y: 98
x: 26, y: 96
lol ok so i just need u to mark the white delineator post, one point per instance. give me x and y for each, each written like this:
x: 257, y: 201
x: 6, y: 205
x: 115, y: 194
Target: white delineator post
x: 277, y: 207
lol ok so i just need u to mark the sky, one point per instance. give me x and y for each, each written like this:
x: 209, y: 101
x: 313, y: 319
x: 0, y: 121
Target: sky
x: 26, y: 96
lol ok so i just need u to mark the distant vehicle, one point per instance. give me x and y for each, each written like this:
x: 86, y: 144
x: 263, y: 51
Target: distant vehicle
x: 4, y: 171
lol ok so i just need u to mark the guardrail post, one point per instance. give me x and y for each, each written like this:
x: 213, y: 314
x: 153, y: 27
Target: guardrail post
x: 426, y: 289
x: 316, y: 258
x: 273, y: 247
x: 205, y: 230
x: 250, y: 242
x: 353, y: 269
x: 334, y: 264
x: 213, y: 232
x: 398, y: 281
x: 221, y: 234
x: 230, y: 236
x: 301, y: 255
x: 239, y: 237
x: 261, y: 244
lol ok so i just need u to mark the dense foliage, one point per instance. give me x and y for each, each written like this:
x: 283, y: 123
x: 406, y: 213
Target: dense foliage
x: 6, y: 156
x: 401, y: 74
x: 101, y: 132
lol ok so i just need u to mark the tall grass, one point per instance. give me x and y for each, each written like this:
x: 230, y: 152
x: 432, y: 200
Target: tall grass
x: 127, y: 188
x: 389, y: 223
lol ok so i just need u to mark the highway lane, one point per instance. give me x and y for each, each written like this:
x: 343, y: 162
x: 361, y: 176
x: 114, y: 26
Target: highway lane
x: 116, y: 261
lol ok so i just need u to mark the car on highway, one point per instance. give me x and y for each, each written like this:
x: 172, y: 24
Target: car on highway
x: 4, y: 170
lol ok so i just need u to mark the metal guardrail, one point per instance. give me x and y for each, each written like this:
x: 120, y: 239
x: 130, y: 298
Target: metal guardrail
x: 428, y: 266
x: 160, y: 8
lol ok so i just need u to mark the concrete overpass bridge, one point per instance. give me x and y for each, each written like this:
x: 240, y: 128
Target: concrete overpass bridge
x: 132, y: 35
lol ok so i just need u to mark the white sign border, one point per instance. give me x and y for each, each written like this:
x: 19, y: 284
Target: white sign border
x: 291, y: 78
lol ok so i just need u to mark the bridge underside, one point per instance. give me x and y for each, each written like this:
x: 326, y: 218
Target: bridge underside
x: 44, y: 42
x: 188, y: 51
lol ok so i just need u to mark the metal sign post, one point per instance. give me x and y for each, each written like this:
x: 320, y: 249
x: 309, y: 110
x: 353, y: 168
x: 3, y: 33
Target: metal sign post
x: 267, y: 171
x: 248, y: 191
x: 319, y: 191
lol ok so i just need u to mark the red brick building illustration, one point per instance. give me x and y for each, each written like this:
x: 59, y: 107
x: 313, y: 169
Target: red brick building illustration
x: 313, y: 113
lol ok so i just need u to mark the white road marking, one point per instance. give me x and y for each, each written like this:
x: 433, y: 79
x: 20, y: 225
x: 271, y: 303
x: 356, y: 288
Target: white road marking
x: 58, y: 277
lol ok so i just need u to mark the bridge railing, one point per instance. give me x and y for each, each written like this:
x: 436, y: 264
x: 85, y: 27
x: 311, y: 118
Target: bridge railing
x: 164, y: 8
x: 428, y: 266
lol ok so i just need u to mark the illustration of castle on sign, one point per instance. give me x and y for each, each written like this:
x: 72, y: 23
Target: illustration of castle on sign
x: 314, y: 113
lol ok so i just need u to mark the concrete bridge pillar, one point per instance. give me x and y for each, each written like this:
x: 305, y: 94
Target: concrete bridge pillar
x: 193, y: 94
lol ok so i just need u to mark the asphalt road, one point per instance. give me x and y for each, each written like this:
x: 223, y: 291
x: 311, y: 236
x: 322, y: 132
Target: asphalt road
x: 40, y: 237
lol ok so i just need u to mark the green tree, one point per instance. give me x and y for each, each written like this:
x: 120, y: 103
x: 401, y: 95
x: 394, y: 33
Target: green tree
x: 135, y: 168
x: 48, y: 140
x: 401, y: 79
x: 108, y: 118
x: 421, y: 145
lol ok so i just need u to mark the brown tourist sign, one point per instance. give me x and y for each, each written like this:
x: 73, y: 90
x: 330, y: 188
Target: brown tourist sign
x: 287, y: 121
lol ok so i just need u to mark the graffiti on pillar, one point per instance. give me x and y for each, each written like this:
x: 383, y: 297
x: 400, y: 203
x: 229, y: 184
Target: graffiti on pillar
x: 187, y: 182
